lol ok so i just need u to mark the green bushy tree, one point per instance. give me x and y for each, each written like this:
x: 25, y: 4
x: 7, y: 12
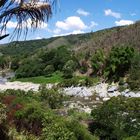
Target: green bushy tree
x: 98, y: 62
x: 134, y: 73
x: 49, y: 69
x: 118, y: 62
x: 117, y: 118
x: 53, y: 97
x: 69, y: 68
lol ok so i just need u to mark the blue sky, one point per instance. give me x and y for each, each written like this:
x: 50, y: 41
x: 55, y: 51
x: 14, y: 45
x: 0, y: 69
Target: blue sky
x: 81, y: 16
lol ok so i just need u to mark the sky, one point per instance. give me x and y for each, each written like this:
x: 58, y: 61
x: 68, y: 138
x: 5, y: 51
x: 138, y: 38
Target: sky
x: 81, y: 16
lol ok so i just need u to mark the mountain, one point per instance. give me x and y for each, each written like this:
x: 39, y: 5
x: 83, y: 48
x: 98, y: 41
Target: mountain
x: 82, y: 43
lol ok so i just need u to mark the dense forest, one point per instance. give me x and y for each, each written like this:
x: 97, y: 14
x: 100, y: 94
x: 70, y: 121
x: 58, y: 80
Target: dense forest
x: 110, y: 55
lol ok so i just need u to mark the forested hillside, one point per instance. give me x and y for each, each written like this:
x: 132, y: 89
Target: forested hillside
x: 81, y: 42
x: 109, y: 54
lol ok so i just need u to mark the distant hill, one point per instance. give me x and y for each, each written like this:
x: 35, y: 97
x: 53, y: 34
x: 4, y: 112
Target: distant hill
x: 82, y: 43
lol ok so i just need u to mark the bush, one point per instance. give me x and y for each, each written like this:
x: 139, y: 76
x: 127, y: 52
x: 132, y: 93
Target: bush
x: 69, y: 68
x: 117, y: 118
x: 98, y: 61
x: 69, y: 82
x: 118, y: 62
x: 3, y: 122
x: 49, y: 69
x: 56, y: 128
x: 134, y: 73
x: 84, y: 66
x: 80, y: 131
x: 2, y: 113
x: 53, y: 97
x: 30, y: 118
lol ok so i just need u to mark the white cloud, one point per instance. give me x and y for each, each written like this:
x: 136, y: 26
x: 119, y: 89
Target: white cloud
x: 93, y: 24
x: 13, y: 24
x: 77, y: 32
x: 38, y: 37
x: 109, y: 12
x: 69, y: 33
x: 124, y: 22
x: 56, y: 31
x: 82, y: 12
x: 71, y: 23
x: 42, y: 25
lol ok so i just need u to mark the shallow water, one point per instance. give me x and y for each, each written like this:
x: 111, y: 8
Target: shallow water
x: 7, y: 76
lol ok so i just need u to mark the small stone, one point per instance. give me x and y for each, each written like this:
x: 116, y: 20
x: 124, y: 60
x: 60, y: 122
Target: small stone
x: 105, y: 99
x: 112, y: 89
x: 86, y: 98
x: 97, y: 99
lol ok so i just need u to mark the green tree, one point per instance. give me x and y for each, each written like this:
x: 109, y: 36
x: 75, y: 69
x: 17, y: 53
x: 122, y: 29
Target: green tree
x: 53, y: 97
x: 134, y: 73
x: 30, y: 68
x: 61, y: 57
x: 69, y: 68
x: 118, y: 62
x: 3, y: 124
x: 98, y: 62
x: 3, y: 113
x: 117, y: 118
x: 49, y: 69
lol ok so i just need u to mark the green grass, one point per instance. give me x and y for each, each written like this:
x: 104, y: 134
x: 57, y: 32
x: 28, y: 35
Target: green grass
x: 55, y: 78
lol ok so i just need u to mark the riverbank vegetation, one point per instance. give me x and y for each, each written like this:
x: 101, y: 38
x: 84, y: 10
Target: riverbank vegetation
x: 43, y: 115
x: 62, y: 65
x: 102, y: 54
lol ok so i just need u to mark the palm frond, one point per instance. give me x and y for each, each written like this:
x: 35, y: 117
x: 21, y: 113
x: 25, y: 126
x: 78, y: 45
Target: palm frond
x: 22, y: 11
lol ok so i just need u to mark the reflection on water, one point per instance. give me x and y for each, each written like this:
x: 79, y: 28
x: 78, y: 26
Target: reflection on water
x: 7, y: 76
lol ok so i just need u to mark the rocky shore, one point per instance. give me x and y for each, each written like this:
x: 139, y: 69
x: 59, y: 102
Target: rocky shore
x: 102, y: 90
x: 83, y: 98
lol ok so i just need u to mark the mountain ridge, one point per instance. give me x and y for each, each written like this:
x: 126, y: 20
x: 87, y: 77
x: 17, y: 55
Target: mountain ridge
x: 82, y: 43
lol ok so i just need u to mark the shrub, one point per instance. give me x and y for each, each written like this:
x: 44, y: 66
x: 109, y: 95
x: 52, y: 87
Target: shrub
x: 49, y: 69
x: 118, y: 62
x: 69, y: 82
x: 69, y: 68
x: 3, y: 123
x: 53, y: 97
x: 134, y: 73
x: 117, y: 118
x: 98, y: 62
x: 2, y: 113
x: 79, y: 130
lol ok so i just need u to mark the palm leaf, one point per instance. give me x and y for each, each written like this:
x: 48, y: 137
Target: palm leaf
x: 34, y: 10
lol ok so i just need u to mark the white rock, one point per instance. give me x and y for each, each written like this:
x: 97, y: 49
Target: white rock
x: 19, y: 85
x: 97, y: 99
x: 114, y: 94
x: 86, y: 98
x: 127, y: 90
x: 78, y: 91
x: 106, y: 99
x: 112, y: 89
x: 101, y: 90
